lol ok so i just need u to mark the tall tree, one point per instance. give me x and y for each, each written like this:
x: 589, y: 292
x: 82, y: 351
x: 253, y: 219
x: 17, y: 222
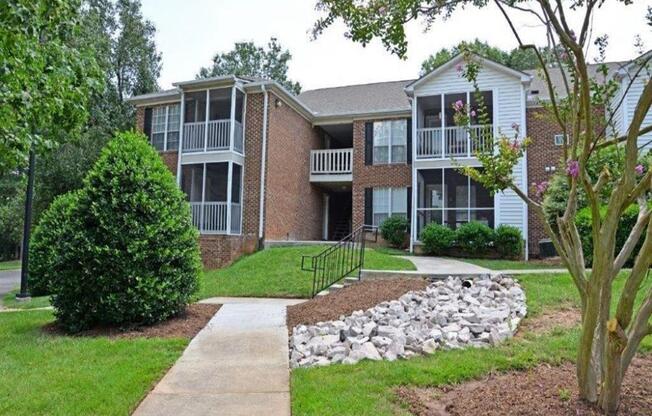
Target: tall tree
x: 46, y: 81
x: 609, y: 337
x: 517, y: 58
x: 248, y: 60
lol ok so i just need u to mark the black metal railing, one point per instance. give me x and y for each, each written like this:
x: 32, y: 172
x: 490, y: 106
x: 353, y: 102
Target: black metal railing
x: 339, y: 260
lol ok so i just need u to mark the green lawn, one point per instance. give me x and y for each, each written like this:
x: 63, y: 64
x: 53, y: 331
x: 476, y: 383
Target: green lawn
x: 368, y: 387
x: 10, y: 265
x: 57, y: 375
x: 9, y: 301
x: 277, y: 272
x: 496, y: 264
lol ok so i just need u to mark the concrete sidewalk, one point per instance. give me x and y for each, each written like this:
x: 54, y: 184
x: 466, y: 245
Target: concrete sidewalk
x: 236, y: 365
x: 445, y: 266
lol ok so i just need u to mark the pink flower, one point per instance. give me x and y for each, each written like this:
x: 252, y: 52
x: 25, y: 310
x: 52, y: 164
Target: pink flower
x: 639, y: 169
x: 572, y: 35
x: 472, y: 113
x: 459, y: 104
x: 540, y: 188
x: 515, y: 145
x: 515, y: 126
x: 573, y: 168
x: 459, y: 67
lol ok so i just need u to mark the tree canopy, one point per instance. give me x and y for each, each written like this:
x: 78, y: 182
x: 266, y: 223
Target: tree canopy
x: 516, y: 58
x: 248, y: 60
x: 46, y: 77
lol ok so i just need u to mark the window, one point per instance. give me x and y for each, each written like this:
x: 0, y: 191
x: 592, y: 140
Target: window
x: 559, y: 140
x: 388, y: 202
x: 390, y: 141
x: 165, y: 127
x: 446, y: 196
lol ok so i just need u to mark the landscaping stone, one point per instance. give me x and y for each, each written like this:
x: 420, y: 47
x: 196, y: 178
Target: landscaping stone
x: 448, y: 314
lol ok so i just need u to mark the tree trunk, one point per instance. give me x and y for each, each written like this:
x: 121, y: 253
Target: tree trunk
x: 613, y: 376
x: 588, y: 366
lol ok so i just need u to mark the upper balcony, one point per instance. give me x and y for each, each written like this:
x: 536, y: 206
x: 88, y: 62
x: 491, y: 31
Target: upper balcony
x: 331, y: 165
x: 437, y: 135
x: 212, y: 121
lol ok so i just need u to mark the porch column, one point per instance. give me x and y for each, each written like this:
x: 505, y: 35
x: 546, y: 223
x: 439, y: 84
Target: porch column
x: 180, y: 149
x: 229, y: 190
x: 232, y: 122
x: 208, y: 101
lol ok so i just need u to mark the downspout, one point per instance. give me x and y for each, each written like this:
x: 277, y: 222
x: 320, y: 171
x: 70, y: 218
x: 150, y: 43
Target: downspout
x: 263, y: 161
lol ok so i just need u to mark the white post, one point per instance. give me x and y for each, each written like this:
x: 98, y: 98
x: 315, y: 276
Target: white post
x: 244, y: 122
x: 228, y: 197
x: 232, y: 123
x: 468, y: 133
x: 443, y: 131
x: 413, y: 218
x: 208, y: 101
x: 180, y: 150
x: 203, y: 199
x: 326, y: 212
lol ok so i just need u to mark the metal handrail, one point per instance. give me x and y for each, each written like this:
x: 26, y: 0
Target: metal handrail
x: 339, y: 260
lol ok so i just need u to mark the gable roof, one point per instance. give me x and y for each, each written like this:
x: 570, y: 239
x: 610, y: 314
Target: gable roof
x: 358, y: 100
x: 459, y: 58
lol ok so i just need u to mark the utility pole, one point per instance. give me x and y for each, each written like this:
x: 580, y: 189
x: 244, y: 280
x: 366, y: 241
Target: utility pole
x: 27, y: 226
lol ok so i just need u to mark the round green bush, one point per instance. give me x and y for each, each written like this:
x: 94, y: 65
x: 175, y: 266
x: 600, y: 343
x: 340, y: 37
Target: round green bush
x: 625, y: 226
x: 394, y: 230
x: 474, y: 237
x: 508, y: 241
x: 437, y: 238
x: 49, y: 244
x: 132, y: 257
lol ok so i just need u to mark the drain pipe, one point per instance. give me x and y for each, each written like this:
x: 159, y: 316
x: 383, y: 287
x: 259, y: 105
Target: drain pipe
x: 263, y: 166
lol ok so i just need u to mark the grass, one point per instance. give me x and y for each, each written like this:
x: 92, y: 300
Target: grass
x: 496, y: 264
x: 10, y: 265
x: 60, y: 375
x: 276, y: 272
x: 368, y: 387
x: 9, y: 301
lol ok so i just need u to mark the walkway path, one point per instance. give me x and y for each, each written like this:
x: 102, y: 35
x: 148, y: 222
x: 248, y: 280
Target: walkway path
x: 236, y: 365
x: 445, y: 266
x: 9, y: 280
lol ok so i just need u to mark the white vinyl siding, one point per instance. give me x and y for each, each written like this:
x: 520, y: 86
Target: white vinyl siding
x: 388, y: 202
x: 508, y: 97
x: 390, y: 141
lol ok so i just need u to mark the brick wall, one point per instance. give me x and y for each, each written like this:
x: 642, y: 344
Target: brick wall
x: 541, y: 154
x: 293, y: 206
x: 369, y: 176
x: 140, y: 119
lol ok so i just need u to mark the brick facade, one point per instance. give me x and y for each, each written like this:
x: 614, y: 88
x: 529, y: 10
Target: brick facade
x: 369, y: 176
x: 542, y: 157
x: 293, y: 205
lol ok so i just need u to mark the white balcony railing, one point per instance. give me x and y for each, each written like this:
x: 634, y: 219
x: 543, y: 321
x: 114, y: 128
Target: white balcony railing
x: 197, y: 139
x: 331, y: 161
x: 211, y: 217
x: 453, y: 142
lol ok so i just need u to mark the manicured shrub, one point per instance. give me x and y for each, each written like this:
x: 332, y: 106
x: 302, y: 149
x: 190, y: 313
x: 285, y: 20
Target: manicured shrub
x: 394, y: 230
x: 474, y: 237
x: 49, y: 245
x: 627, y: 222
x: 437, y: 238
x: 508, y: 241
x: 132, y: 256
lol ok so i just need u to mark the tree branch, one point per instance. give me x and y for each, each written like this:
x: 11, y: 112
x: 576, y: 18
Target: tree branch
x: 642, y: 221
x: 621, y: 139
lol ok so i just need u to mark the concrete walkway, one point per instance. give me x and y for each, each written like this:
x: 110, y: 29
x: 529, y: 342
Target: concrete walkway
x: 236, y: 365
x: 445, y: 266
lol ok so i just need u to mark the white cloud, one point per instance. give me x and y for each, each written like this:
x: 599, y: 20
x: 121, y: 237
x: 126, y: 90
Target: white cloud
x: 190, y: 32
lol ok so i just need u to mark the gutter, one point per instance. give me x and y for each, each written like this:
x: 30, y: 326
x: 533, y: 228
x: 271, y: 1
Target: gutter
x: 263, y: 160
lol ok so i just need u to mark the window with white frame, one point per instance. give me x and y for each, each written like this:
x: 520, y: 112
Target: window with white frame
x: 390, y: 141
x: 165, y: 127
x: 559, y: 139
x: 388, y: 202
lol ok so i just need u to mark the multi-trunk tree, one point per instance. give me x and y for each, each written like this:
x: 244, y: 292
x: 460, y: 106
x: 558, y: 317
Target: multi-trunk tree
x: 610, y: 336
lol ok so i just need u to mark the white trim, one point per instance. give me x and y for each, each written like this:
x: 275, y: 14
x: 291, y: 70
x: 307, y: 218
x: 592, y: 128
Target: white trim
x: 325, y: 210
x: 524, y: 182
x: 413, y: 213
x: 229, y: 197
x: 244, y: 122
x: 263, y: 160
x: 232, y: 120
x: 182, y: 116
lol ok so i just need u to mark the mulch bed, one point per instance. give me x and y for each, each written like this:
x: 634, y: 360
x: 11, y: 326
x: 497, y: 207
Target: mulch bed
x: 360, y: 296
x: 560, y: 318
x: 185, y: 325
x: 543, y: 390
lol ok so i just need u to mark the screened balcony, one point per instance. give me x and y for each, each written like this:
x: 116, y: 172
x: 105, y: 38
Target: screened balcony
x: 214, y: 191
x: 212, y: 121
x: 438, y: 136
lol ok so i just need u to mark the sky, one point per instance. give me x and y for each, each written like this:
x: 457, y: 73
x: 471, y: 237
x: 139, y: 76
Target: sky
x: 190, y: 32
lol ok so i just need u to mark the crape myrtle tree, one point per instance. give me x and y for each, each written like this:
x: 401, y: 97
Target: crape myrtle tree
x: 248, y: 60
x: 609, y: 336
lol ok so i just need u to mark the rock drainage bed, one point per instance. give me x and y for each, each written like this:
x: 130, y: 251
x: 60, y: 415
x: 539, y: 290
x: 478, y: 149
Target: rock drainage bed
x: 450, y: 313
